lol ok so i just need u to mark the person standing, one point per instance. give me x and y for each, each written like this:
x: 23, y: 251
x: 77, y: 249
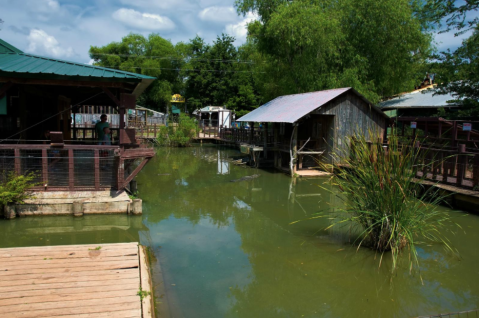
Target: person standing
x: 100, y: 126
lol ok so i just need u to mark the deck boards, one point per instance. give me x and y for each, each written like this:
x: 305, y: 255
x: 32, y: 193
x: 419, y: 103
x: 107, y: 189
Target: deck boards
x: 74, y: 281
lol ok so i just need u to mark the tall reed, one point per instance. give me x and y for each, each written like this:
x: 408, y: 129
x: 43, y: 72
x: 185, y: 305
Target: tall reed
x: 385, y: 199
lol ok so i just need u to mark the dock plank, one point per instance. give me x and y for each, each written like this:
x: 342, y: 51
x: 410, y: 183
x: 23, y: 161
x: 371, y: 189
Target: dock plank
x: 81, y: 281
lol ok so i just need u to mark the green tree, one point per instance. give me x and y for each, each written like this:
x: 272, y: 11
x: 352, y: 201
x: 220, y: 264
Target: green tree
x: 377, y: 47
x: 222, y: 76
x: 458, y: 71
x: 153, y: 56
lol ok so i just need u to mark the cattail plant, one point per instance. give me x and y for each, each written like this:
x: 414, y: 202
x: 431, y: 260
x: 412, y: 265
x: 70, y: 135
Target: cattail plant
x: 385, y: 199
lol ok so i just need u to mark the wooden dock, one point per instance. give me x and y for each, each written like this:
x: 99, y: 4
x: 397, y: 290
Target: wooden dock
x: 102, y: 280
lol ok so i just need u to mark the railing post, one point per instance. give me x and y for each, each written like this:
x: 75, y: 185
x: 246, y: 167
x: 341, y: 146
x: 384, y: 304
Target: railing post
x: 97, y: 170
x: 71, y: 170
x: 475, y: 171
x: 445, y: 168
x: 461, y: 164
x: 44, y: 167
x: 18, y: 165
x: 154, y: 130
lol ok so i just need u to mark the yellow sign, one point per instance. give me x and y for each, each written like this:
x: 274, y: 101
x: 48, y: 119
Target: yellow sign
x: 177, y: 98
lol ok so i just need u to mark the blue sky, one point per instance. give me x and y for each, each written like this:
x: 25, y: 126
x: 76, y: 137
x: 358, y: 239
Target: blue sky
x: 66, y: 28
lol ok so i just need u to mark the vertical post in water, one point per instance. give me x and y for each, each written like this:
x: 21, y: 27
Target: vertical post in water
x: 294, y: 149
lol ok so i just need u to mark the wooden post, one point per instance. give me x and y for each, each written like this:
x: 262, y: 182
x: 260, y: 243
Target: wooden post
x: 251, y: 133
x: 295, y: 148
x: 440, y: 129
x: 71, y: 170
x: 154, y: 130
x: 97, y: 169
x: 44, y: 167
x: 121, y: 112
x: 461, y: 164
x: 445, y: 169
x: 454, y: 134
x: 475, y: 171
x: 120, y: 173
x: 18, y: 164
x: 265, y: 139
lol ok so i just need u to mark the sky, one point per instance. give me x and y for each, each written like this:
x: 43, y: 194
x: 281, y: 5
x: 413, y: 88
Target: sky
x: 66, y: 29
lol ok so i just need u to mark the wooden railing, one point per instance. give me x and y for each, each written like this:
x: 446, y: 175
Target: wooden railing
x: 67, y: 168
x: 456, y: 166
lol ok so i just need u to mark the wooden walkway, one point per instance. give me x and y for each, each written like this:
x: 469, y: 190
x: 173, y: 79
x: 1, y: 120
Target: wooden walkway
x: 84, y: 281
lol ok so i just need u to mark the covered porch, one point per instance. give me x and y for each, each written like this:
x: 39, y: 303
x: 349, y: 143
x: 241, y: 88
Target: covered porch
x: 39, y: 94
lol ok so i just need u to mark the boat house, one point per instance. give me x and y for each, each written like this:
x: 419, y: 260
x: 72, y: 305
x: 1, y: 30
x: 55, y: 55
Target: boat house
x: 298, y: 130
x: 40, y: 94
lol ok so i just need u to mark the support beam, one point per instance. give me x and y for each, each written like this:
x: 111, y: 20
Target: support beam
x: 112, y: 96
x: 135, y: 172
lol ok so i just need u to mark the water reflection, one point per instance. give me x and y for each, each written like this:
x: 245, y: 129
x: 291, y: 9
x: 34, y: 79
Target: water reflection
x: 228, y: 249
x: 66, y: 230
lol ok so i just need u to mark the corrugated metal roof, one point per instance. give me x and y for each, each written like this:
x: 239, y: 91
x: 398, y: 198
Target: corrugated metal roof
x: 8, y: 48
x: 290, y: 108
x: 16, y: 62
x: 418, y: 99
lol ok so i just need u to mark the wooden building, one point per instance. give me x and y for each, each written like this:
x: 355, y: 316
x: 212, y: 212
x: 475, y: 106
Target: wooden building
x: 38, y: 94
x: 309, y: 127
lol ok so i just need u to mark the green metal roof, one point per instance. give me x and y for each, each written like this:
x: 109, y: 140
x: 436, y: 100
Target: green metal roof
x: 175, y: 109
x: 8, y: 48
x: 15, y: 63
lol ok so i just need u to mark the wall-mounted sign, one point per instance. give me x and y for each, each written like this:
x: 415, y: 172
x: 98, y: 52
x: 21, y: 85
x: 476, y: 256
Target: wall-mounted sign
x: 466, y: 127
x: 177, y: 98
x: 413, y: 125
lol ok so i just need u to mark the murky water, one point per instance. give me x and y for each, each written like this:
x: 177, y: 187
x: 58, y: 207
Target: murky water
x: 226, y: 249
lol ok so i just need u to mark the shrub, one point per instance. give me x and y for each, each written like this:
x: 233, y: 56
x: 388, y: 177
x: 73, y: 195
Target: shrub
x: 384, y: 199
x: 14, y: 188
x: 178, y: 135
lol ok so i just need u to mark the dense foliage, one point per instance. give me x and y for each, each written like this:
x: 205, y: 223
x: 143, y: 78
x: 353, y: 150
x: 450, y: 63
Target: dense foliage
x: 153, y: 56
x: 14, y: 188
x: 383, y: 199
x: 377, y: 47
x: 458, y: 71
x: 178, y: 133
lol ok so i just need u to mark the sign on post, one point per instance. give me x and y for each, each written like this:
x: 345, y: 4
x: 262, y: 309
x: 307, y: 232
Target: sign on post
x: 413, y: 125
x: 466, y: 127
x: 177, y: 98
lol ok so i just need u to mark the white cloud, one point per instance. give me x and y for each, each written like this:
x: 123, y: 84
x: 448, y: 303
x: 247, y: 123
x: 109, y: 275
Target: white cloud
x: 42, y: 43
x: 145, y: 21
x: 239, y: 30
x: 218, y: 14
x: 160, y: 4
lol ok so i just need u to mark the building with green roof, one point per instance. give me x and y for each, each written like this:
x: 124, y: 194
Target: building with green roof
x: 39, y: 93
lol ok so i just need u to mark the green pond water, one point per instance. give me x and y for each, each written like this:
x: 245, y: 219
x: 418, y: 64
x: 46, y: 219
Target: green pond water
x: 227, y: 249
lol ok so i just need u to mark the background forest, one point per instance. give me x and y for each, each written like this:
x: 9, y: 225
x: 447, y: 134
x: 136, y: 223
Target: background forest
x: 379, y: 47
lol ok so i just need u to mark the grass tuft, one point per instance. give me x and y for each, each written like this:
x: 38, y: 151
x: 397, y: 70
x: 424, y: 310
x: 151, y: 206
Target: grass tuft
x: 385, y: 201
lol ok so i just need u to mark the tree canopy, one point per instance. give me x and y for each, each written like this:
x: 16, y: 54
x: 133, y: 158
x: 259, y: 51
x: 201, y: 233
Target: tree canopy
x: 378, y: 47
x: 458, y: 71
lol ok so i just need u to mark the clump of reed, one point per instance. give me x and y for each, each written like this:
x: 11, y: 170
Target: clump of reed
x: 385, y: 200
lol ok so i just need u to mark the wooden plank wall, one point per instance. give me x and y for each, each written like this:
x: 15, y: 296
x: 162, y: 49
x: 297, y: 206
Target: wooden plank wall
x: 352, y: 115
